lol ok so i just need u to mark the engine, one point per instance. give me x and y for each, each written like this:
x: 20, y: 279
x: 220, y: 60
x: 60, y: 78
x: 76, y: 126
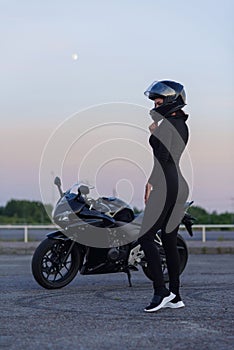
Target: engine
x: 118, y: 253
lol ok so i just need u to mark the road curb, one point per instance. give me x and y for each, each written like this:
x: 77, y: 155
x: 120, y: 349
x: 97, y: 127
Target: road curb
x: 211, y: 250
x: 18, y: 248
x: 210, y: 247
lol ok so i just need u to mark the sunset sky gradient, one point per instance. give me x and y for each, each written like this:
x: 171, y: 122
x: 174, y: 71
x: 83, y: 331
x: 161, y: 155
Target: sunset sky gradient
x: 122, y: 47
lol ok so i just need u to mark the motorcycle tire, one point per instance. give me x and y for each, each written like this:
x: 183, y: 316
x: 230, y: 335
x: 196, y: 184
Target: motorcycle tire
x: 183, y: 253
x: 48, y: 267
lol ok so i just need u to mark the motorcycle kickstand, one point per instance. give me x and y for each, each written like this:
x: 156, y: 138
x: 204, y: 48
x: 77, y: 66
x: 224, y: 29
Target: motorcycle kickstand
x: 129, y: 277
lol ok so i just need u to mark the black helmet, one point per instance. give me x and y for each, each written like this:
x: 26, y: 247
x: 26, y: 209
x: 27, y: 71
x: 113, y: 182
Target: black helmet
x: 171, y: 92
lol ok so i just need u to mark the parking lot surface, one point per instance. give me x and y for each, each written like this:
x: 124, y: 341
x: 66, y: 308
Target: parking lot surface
x: 102, y: 312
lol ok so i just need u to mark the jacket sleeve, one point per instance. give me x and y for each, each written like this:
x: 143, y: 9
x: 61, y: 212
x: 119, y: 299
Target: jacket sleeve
x: 164, y: 149
x: 161, y: 154
x: 153, y: 176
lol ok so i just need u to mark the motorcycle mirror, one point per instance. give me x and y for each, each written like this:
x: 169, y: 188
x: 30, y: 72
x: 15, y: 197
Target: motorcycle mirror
x: 83, y: 189
x: 57, y: 181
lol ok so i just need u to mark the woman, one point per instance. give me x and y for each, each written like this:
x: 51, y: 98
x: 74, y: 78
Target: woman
x: 166, y: 191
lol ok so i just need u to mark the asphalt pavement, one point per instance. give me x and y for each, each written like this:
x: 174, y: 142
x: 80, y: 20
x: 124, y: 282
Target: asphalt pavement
x: 102, y: 312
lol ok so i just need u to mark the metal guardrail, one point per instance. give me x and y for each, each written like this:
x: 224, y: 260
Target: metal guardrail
x: 27, y: 227
x: 204, y: 227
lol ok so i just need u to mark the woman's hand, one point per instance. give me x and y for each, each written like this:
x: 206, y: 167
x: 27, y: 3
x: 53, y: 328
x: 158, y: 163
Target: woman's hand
x: 148, y: 188
x: 152, y: 127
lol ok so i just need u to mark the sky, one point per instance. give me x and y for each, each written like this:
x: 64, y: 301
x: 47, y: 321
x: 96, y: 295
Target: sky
x: 122, y: 47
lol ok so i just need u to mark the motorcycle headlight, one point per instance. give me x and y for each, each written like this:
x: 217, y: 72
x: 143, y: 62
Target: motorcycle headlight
x: 64, y: 216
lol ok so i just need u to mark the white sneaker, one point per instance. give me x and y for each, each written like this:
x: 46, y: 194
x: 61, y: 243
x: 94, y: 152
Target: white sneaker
x: 158, y: 302
x: 175, y: 305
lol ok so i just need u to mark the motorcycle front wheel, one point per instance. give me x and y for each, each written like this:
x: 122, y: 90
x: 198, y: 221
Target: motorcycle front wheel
x: 53, y: 265
x: 183, y: 254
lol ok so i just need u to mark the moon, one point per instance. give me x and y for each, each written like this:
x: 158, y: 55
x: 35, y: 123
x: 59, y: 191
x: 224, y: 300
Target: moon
x: 74, y: 56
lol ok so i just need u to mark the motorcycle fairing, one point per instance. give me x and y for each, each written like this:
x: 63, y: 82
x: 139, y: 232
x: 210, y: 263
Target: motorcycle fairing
x: 58, y: 235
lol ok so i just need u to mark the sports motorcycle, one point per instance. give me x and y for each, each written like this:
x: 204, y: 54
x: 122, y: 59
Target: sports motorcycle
x: 72, y: 248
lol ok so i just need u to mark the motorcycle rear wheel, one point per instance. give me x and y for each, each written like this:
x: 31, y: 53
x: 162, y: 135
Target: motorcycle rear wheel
x: 183, y: 253
x: 50, y: 269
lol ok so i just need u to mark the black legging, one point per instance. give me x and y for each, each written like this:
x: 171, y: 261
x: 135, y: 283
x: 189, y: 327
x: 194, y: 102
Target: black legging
x: 169, y: 241
x: 153, y: 259
x: 164, y: 210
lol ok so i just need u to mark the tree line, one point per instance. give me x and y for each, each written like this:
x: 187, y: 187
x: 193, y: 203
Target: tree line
x: 34, y: 212
x: 25, y: 212
x: 204, y: 217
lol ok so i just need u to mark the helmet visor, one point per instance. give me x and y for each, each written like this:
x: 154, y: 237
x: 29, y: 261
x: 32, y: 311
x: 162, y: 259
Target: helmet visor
x: 158, y: 89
